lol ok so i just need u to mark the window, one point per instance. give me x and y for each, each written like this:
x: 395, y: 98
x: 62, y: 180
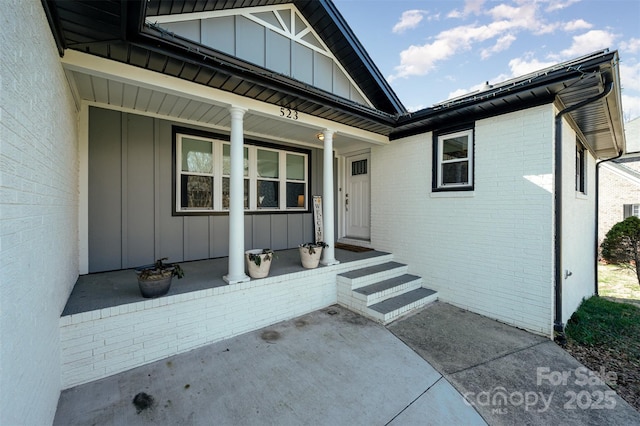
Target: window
x: 631, y: 210
x: 453, y: 161
x: 580, y: 169
x: 274, y: 179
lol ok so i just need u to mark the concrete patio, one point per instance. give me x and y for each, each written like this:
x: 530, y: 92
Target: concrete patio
x: 440, y: 366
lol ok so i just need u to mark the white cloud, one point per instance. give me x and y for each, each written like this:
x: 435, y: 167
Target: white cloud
x: 630, y: 46
x: 522, y: 66
x: 506, y: 22
x: 578, y: 24
x: 502, y: 43
x: 586, y: 43
x: 409, y: 19
x: 557, y: 5
x: 631, y: 110
x: 470, y: 7
x: 630, y: 76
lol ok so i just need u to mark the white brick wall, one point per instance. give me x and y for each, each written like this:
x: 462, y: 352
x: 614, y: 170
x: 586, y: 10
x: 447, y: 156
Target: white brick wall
x: 38, y: 212
x: 578, y: 228
x: 490, y: 251
x: 101, y: 343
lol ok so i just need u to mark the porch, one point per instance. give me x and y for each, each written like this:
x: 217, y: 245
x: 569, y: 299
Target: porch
x: 107, y: 327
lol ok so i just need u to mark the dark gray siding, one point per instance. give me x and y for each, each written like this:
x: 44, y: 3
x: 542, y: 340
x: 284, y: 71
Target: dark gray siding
x: 130, y: 201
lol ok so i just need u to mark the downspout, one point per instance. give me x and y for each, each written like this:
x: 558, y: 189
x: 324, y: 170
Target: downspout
x: 595, y: 268
x: 558, y: 325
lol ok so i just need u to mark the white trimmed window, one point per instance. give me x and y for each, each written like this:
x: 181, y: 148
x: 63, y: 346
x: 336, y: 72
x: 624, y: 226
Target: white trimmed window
x: 453, y: 163
x: 274, y: 179
x: 631, y: 210
x: 581, y: 169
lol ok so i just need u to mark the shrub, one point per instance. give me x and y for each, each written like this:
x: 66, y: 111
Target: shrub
x: 621, y: 245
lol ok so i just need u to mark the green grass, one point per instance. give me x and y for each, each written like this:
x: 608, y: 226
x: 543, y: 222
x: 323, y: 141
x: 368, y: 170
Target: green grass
x: 601, y: 322
x: 616, y: 282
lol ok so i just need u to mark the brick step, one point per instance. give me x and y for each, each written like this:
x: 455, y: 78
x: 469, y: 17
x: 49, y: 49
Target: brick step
x: 366, y: 276
x: 385, y: 289
x: 390, y: 309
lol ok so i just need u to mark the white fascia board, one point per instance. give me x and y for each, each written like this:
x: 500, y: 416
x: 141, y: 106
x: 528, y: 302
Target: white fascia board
x: 128, y: 74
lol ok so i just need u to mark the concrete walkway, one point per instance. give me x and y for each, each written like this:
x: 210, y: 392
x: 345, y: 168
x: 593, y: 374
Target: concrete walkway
x: 333, y: 367
x: 510, y: 376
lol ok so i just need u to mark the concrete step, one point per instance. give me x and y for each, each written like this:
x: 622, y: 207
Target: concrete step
x: 385, y: 289
x: 366, y: 276
x: 392, y: 308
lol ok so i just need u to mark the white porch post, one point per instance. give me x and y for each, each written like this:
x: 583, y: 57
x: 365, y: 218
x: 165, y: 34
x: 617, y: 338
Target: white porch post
x: 236, y: 199
x: 328, y: 254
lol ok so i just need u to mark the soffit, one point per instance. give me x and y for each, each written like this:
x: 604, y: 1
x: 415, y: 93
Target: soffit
x: 113, y: 29
x: 166, y: 104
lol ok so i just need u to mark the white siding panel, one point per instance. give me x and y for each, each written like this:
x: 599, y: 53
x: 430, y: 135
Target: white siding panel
x: 490, y: 250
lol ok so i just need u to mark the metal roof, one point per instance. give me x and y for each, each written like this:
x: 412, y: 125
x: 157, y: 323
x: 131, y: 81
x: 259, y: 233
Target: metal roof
x: 116, y: 30
x: 568, y: 83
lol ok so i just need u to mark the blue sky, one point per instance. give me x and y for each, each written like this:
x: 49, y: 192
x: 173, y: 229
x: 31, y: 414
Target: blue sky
x: 433, y: 50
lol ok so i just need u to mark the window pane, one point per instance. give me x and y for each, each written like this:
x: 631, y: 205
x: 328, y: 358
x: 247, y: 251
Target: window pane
x: 455, y: 173
x: 295, y: 194
x: 267, y: 163
x: 267, y: 194
x: 197, y: 156
x: 295, y: 167
x: 226, y: 192
x: 226, y: 160
x: 454, y: 148
x: 196, y: 192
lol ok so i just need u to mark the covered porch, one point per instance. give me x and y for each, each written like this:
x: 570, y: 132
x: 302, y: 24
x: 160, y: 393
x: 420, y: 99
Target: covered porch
x: 107, y: 327
x: 115, y: 289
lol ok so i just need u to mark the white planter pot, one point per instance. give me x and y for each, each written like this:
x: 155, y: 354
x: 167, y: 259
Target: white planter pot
x: 256, y: 271
x: 310, y: 261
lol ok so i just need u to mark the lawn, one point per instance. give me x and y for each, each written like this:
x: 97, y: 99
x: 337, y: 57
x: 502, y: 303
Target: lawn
x: 618, y: 283
x: 605, y: 331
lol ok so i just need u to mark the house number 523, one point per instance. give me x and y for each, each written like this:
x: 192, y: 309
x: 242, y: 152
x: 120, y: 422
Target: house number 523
x: 288, y: 113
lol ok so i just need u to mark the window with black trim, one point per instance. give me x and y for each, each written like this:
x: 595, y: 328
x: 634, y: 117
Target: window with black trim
x: 275, y: 178
x: 453, y: 161
x: 581, y: 169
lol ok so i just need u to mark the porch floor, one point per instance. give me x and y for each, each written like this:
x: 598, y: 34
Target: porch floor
x: 115, y: 288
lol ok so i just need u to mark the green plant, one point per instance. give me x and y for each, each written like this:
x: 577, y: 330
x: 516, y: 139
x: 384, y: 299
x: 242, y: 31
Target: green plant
x: 313, y: 246
x: 621, y: 245
x: 257, y: 258
x: 161, y: 270
x: 600, y: 322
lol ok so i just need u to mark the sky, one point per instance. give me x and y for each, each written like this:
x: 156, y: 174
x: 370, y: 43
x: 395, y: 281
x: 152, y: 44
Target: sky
x: 433, y: 50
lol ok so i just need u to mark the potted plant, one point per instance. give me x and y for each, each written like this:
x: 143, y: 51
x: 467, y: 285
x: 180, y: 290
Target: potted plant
x: 155, y: 280
x: 310, y: 253
x: 259, y: 262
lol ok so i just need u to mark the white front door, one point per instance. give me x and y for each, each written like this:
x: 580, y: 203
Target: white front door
x: 358, y: 197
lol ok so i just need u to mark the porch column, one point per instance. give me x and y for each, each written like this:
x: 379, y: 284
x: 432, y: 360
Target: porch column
x: 328, y: 254
x: 236, y: 199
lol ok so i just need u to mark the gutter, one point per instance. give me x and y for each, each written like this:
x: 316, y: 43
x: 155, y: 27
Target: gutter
x: 595, y: 268
x: 558, y: 325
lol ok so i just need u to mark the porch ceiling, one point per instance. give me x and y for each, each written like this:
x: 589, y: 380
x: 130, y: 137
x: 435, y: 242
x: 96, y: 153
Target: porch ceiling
x: 167, y: 104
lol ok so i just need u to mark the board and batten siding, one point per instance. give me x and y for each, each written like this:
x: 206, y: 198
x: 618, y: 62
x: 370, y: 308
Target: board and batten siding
x: 131, y: 221
x: 489, y: 250
x: 260, y: 45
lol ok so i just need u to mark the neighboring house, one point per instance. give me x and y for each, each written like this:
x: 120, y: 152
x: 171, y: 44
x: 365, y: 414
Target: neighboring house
x: 141, y: 128
x: 619, y: 191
